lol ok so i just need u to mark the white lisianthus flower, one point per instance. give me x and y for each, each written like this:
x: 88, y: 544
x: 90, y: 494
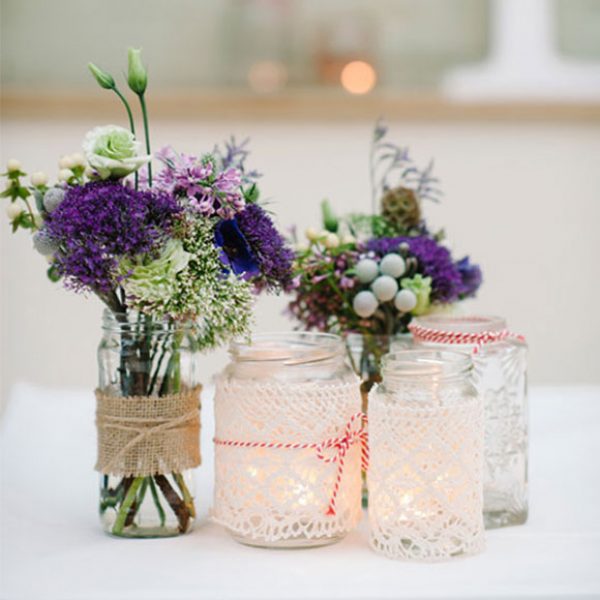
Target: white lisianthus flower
x: 113, y: 151
x: 154, y: 283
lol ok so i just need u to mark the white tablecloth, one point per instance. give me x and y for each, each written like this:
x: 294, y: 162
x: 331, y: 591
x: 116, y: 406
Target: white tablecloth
x: 53, y: 547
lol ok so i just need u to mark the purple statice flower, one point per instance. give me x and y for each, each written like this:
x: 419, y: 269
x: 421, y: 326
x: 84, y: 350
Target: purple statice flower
x: 434, y: 260
x: 471, y: 277
x: 273, y: 255
x: 100, y: 222
x: 236, y: 253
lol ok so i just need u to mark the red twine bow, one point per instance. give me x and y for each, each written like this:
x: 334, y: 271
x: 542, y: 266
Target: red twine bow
x: 355, y: 432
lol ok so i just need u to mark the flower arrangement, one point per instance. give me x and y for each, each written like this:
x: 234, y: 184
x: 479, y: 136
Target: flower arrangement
x: 186, y: 247
x: 371, y: 273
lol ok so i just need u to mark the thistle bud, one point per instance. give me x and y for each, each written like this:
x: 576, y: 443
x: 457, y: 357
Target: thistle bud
x: 104, y: 79
x: 137, y: 78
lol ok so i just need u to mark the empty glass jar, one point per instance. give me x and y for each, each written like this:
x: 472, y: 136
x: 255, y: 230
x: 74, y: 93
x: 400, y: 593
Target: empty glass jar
x: 288, y: 441
x: 500, y: 376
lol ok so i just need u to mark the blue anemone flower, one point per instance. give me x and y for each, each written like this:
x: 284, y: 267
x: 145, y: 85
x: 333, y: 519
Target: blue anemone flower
x: 235, y: 250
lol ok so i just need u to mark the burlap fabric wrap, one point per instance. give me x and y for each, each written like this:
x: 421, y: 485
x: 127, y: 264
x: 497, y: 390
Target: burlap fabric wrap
x: 147, y: 435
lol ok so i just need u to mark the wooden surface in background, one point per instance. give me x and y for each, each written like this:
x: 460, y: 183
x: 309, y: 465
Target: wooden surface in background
x: 299, y: 105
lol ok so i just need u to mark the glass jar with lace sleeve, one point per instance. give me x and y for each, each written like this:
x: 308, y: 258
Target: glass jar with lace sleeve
x: 426, y: 454
x: 289, y: 441
x: 500, y: 376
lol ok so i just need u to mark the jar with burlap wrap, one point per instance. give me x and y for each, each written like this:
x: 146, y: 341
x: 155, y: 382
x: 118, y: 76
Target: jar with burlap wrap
x: 500, y: 376
x: 290, y: 440
x: 426, y: 458
x: 148, y: 424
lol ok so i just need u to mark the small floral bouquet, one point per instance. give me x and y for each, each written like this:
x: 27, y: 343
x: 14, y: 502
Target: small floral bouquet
x: 370, y: 274
x: 176, y: 257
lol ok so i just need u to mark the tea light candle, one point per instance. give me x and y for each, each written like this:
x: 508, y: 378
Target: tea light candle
x: 288, y: 442
x: 425, y: 473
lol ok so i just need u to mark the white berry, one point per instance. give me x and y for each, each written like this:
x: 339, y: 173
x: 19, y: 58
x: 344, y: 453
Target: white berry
x: 39, y: 178
x: 405, y: 300
x: 365, y: 304
x: 311, y: 234
x: 13, y: 210
x: 66, y: 162
x: 384, y: 287
x: 13, y: 165
x: 332, y: 241
x: 65, y: 174
x: 393, y: 265
x: 77, y: 160
x: 366, y: 270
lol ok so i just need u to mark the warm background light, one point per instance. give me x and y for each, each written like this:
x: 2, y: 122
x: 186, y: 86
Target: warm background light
x: 358, y: 77
x: 267, y: 76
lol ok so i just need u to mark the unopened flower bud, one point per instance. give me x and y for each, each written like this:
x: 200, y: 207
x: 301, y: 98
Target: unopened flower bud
x: 103, y: 78
x: 137, y: 78
x: 13, y: 165
x: 65, y: 174
x: 38, y: 220
x: 348, y: 239
x: 39, y: 178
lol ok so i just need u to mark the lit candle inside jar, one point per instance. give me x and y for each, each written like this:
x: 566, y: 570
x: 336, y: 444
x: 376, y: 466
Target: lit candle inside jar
x: 288, y: 442
x: 425, y: 474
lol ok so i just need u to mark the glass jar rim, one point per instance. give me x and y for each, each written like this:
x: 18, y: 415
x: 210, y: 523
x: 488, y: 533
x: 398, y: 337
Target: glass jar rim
x: 426, y: 363
x: 461, y: 324
x: 112, y: 321
x: 289, y: 348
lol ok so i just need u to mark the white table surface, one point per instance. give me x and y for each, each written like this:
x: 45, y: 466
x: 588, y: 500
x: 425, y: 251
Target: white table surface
x: 53, y: 547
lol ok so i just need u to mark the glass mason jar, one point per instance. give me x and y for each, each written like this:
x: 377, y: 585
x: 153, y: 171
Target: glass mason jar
x: 426, y: 458
x: 148, y: 420
x: 287, y: 447
x: 500, y: 376
x: 366, y: 352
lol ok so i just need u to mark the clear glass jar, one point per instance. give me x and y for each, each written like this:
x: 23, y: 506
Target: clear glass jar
x: 500, y: 376
x: 277, y: 403
x: 146, y: 367
x: 426, y: 455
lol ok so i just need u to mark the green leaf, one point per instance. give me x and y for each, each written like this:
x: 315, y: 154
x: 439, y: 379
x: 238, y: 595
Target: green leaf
x: 251, y: 194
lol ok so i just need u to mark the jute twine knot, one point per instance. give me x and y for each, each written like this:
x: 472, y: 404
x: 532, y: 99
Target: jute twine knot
x: 147, y: 435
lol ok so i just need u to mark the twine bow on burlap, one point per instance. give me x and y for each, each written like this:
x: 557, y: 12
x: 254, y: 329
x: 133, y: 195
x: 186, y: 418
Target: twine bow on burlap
x: 145, y: 435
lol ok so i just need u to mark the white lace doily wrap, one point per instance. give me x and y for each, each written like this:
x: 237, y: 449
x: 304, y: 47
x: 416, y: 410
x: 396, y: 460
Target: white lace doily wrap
x: 273, y: 494
x: 425, y: 479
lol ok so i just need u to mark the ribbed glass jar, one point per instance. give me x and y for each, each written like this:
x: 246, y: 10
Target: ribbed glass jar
x: 277, y: 403
x: 426, y: 455
x: 500, y: 376
x: 141, y: 363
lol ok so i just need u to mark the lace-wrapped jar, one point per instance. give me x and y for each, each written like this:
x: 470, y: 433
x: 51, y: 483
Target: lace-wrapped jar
x: 500, y: 376
x: 288, y: 442
x: 426, y: 454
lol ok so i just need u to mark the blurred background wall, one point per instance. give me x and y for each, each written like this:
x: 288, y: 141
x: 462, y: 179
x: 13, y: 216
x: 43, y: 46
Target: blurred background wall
x: 504, y: 95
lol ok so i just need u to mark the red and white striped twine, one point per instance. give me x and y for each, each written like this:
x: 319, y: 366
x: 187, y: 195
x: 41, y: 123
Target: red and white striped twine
x: 478, y: 339
x: 355, y: 432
